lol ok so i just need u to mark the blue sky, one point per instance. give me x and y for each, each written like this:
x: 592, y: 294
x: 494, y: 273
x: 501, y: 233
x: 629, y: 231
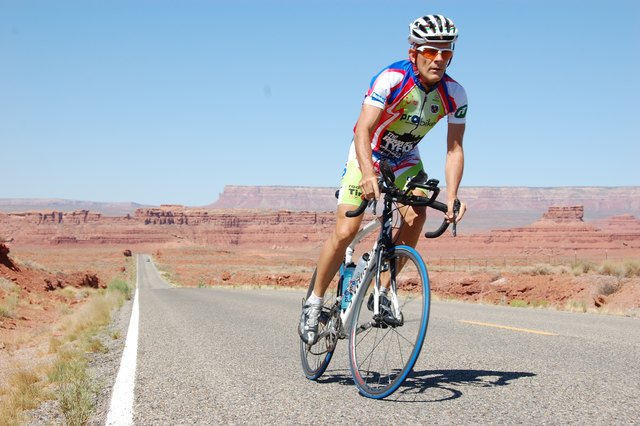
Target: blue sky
x: 168, y: 101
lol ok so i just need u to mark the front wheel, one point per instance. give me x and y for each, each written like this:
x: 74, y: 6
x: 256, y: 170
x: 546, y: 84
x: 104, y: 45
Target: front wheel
x: 315, y: 358
x: 384, y: 348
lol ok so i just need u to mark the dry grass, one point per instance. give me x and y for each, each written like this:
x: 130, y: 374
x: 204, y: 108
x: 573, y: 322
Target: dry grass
x: 9, y: 302
x: 74, y: 389
x: 26, y: 390
x: 88, y: 320
x: 623, y: 269
x: 75, y: 336
x: 8, y: 305
x: 80, y: 335
x: 576, y: 306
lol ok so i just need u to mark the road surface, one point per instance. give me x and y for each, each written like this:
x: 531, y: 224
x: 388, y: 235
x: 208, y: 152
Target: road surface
x: 231, y: 355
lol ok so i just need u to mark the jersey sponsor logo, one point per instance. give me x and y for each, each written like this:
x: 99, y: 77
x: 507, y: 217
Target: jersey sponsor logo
x: 415, y: 119
x: 435, y: 108
x: 397, y: 146
x: 376, y: 97
x: 354, y: 191
x: 461, y: 112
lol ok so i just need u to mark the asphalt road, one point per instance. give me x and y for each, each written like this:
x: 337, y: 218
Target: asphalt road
x: 223, y: 355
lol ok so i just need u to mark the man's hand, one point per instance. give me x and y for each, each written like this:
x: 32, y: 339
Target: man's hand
x: 450, y: 210
x: 369, y: 186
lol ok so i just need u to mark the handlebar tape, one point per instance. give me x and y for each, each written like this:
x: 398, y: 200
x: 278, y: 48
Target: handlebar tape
x: 443, y: 227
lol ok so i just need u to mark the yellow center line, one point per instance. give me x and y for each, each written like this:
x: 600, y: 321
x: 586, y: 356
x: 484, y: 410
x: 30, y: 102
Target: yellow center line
x: 506, y: 327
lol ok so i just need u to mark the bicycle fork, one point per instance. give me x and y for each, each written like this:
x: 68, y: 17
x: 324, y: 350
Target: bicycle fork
x: 391, y: 267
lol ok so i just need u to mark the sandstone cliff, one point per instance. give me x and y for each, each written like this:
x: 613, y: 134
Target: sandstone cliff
x: 559, y: 229
x: 598, y: 201
x: 489, y: 207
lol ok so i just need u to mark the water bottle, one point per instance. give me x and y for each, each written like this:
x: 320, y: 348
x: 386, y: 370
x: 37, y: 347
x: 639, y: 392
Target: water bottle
x: 347, y: 274
x: 357, y: 274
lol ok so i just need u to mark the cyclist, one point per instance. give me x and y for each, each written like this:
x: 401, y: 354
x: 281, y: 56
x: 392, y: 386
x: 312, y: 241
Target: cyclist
x: 404, y: 101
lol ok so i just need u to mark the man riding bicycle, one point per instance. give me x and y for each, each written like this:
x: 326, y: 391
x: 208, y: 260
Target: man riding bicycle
x: 404, y: 101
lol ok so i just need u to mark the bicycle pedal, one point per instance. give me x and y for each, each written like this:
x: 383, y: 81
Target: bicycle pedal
x: 387, y: 320
x: 379, y: 324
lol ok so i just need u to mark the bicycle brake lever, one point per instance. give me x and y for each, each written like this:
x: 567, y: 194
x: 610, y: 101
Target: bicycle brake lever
x: 456, y: 210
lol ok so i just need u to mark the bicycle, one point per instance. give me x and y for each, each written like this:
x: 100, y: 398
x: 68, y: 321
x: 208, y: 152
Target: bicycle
x: 385, y: 336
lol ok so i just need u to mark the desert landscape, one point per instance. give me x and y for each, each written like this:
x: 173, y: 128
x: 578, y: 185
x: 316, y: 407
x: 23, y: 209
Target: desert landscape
x: 52, y: 262
x: 229, y: 244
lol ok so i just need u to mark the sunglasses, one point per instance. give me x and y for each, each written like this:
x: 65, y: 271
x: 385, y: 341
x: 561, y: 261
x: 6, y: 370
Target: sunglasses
x: 430, y: 52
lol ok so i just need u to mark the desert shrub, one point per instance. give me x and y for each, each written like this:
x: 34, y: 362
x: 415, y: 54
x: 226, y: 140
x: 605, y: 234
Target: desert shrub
x: 84, y: 323
x: 540, y: 303
x: 611, y: 268
x: 93, y: 344
x: 7, y: 285
x: 576, y: 306
x: 75, y: 392
x: 30, y: 264
x: 541, y: 269
x: 609, y: 288
x: 74, y: 337
x: 582, y: 267
x: 120, y: 286
x: 564, y: 270
x: 517, y: 303
x: 8, y: 305
x: 631, y: 268
x: 24, y: 392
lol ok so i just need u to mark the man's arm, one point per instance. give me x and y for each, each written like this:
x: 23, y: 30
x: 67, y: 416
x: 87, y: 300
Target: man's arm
x: 367, y: 122
x: 454, y: 167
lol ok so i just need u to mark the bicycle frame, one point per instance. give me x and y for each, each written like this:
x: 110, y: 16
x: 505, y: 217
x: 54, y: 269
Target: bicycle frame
x: 345, y: 317
x: 375, y: 259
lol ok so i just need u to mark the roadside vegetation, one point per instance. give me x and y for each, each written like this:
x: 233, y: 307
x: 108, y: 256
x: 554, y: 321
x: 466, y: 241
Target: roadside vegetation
x: 63, y: 374
x: 9, y: 302
x: 627, y: 268
x: 608, y: 278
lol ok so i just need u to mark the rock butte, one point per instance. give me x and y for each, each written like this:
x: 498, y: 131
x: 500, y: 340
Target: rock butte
x: 560, y: 229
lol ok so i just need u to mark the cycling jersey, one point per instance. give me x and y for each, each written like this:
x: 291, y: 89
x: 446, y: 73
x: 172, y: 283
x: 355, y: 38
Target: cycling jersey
x: 409, y: 111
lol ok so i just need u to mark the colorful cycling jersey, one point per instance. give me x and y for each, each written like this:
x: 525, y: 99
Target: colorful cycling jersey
x: 409, y: 111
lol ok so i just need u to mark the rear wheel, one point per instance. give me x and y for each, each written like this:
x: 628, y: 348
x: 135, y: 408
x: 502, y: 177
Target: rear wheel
x: 384, y: 349
x: 315, y: 358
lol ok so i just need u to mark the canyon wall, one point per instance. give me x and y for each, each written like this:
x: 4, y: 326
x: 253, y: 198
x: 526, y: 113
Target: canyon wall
x: 561, y: 229
x: 489, y: 207
x: 598, y: 201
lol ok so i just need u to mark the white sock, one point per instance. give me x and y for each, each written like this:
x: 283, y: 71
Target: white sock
x: 315, y: 300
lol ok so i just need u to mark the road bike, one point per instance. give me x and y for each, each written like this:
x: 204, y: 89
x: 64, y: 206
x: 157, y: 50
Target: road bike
x: 383, y: 309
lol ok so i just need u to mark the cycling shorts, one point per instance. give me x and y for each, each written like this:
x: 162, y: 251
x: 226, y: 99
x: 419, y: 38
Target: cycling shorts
x: 350, y: 192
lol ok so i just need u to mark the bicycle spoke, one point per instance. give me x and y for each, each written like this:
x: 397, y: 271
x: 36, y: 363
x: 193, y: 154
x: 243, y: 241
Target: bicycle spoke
x: 383, y: 351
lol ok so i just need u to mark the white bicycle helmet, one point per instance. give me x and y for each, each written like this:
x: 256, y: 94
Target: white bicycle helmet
x: 432, y: 28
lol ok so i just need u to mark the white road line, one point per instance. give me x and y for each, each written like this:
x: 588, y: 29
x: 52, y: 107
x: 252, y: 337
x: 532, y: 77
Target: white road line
x: 121, y: 408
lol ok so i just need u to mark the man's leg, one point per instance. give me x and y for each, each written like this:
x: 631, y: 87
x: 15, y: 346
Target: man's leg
x: 413, y: 220
x: 328, y: 264
x: 334, y: 247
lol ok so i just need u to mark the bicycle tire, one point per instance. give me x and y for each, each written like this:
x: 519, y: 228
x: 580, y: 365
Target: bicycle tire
x: 316, y: 358
x: 381, y: 356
